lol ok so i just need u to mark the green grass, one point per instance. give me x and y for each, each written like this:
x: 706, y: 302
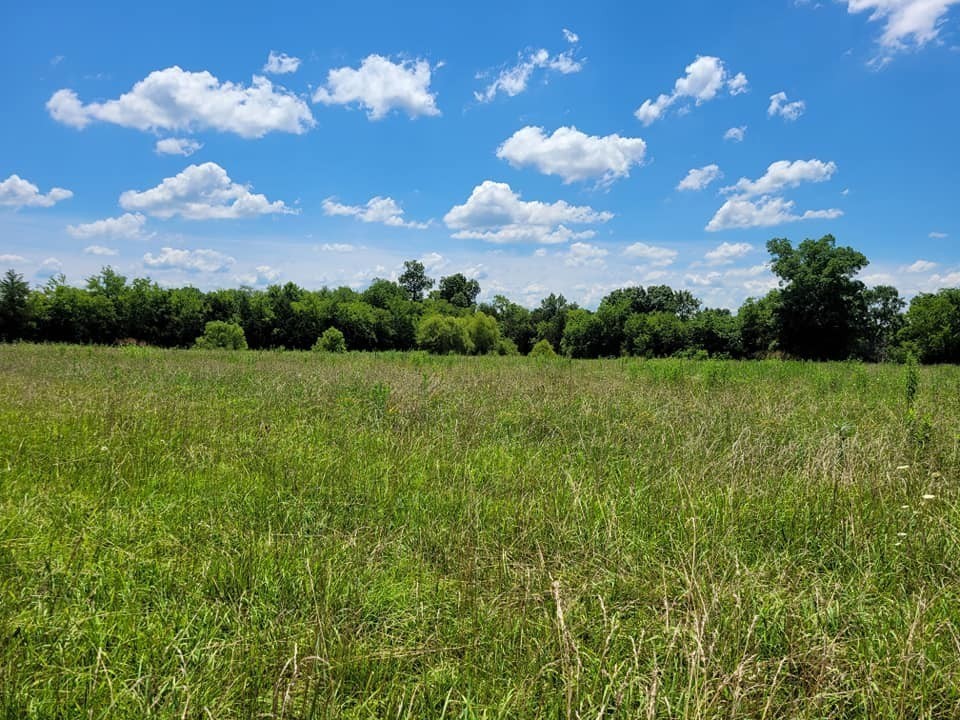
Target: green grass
x: 190, y: 534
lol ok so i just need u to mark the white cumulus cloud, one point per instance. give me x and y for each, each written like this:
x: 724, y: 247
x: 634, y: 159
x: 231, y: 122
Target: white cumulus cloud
x: 281, y: 63
x: 381, y: 85
x: 780, y: 105
x: 584, y: 254
x: 573, y: 155
x: 177, y: 146
x: 495, y: 213
x: 175, y: 99
x: 188, y: 260
x: 99, y: 250
x: 743, y: 212
x: 378, y: 209
x: 651, y: 254
x: 907, y: 23
x: 726, y: 253
x: 128, y: 226
x: 16, y: 192
x: 201, y: 192
x: 703, y: 80
x: 920, y: 266
x: 700, y: 178
x: 735, y: 134
x: 261, y: 275
x: 785, y: 174
x: 9, y: 258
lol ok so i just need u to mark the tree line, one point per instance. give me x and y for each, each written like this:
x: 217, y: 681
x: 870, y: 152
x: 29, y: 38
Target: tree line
x: 819, y: 311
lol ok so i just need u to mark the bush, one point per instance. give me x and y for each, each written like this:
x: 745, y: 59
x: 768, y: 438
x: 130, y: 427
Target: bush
x: 331, y: 341
x: 506, y: 346
x: 442, y: 335
x: 219, y: 335
x: 484, y: 333
x: 543, y: 349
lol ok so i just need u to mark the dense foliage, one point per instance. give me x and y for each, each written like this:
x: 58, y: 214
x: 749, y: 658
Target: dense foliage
x: 820, y: 311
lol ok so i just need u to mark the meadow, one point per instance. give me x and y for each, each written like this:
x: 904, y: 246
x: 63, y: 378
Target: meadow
x: 205, y: 534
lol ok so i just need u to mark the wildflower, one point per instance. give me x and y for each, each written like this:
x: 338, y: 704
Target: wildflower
x: 936, y: 476
x: 901, y: 535
x: 904, y: 507
x: 929, y: 497
x: 903, y: 467
x: 103, y: 448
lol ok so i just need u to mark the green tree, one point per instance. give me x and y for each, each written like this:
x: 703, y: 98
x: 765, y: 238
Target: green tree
x: 583, y: 335
x: 716, y: 332
x: 550, y: 318
x: 932, y: 327
x: 759, y: 326
x: 542, y: 349
x: 822, y: 305
x: 484, y: 333
x: 443, y: 335
x: 458, y: 290
x: 414, y: 280
x: 658, y: 334
x: 331, y: 341
x: 219, y: 335
x: 883, y: 321
x: 14, y: 311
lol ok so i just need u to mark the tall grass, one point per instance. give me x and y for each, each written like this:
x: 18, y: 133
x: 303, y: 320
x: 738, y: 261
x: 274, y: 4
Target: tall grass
x: 294, y: 535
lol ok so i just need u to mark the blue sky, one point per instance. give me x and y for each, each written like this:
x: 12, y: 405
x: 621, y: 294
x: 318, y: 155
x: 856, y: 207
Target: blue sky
x: 539, y: 147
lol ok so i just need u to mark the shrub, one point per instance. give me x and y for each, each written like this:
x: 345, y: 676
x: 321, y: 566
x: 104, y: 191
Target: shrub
x: 331, y: 341
x: 443, y: 334
x: 543, y: 349
x: 506, y: 346
x: 484, y: 333
x: 219, y: 335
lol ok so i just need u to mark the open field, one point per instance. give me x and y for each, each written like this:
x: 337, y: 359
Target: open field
x: 241, y: 535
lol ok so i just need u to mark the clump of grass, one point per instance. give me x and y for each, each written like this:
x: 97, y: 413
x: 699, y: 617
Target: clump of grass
x: 287, y: 535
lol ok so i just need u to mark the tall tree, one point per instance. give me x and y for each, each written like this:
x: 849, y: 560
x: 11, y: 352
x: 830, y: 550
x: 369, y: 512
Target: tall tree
x: 14, y: 317
x: 458, y: 290
x: 414, y: 280
x: 822, y: 305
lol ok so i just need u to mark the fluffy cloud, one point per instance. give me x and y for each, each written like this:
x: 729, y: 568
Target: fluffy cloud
x: 726, y: 253
x: 50, y: 267
x: 16, y: 192
x: 494, y: 212
x: 12, y: 258
x: 573, y: 155
x: 514, y: 79
x: 201, y: 192
x: 920, y: 266
x: 651, y: 254
x: 261, y: 275
x: 188, y: 260
x: 581, y: 254
x: 938, y: 235
x: 699, y: 178
x: 742, y: 212
x: 381, y: 85
x: 570, y: 36
x: 906, y: 22
x: 175, y: 99
x: 337, y: 247
x: 378, y: 209
x: 281, y: 63
x: 99, y: 250
x: 177, y: 146
x: 705, y: 78
x: 790, y: 111
x: 735, y: 134
x: 128, y: 226
x: 784, y: 174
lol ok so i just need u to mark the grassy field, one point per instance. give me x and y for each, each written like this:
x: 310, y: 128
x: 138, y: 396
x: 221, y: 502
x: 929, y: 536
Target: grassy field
x: 191, y: 534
